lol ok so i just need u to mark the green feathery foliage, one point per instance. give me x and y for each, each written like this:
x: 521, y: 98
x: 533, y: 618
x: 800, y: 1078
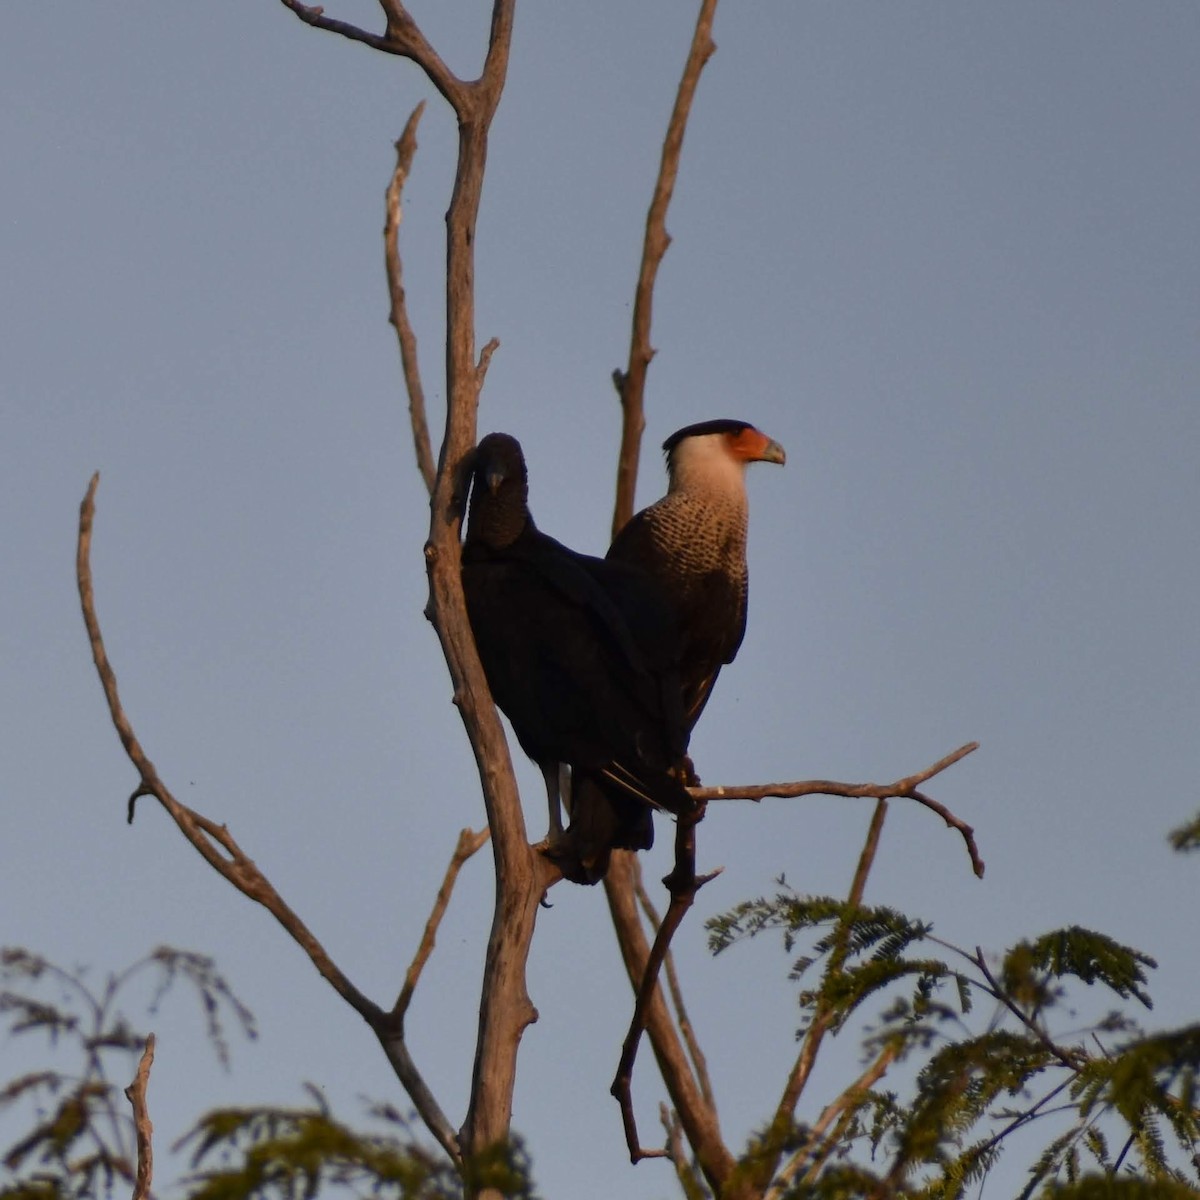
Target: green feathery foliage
x: 973, y: 1088
x: 1079, y: 953
x: 297, y: 1154
x: 79, y: 1142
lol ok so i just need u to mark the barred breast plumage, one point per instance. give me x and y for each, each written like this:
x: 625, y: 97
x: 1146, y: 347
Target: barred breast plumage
x: 693, y: 541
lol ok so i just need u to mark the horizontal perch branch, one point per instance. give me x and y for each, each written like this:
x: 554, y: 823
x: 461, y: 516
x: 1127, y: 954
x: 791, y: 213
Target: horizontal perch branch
x: 902, y: 789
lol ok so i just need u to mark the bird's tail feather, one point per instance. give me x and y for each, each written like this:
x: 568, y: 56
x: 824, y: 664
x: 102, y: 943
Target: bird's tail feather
x: 604, y: 817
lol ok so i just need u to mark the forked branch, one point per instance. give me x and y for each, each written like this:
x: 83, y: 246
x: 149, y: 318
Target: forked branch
x: 819, y: 1142
x: 902, y: 789
x: 682, y: 1020
x: 218, y: 848
x: 469, y: 843
x: 505, y: 1007
x: 683, y: 883
x: 686, y: 1087
x: 402, y: 37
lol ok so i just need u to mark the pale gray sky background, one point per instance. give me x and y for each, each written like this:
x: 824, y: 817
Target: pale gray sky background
x: 949, y: 255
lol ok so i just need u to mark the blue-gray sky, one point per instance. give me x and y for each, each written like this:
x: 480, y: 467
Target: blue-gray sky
x: 948, y: 255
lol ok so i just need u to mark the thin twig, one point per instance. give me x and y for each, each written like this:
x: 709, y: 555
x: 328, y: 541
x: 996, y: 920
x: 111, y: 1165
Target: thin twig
x: 135, y: 1093
x: 682, y: 1020
x: 402, y: 38
x: 683, y: 883
x: 824, y: 1016
x: 849, y: 1108
x: 1030, y: 1114
x: 1070, y: 1059
x: 631, y: 383
x: 468, y: 843
x: 697, y: 1117
x: 406, y: 147
x: 841, y: 1109
x: 902, y: 789
x: 485, y: 359
x: 219, y: 849
x: 1116, y: 1167
x: 773, y: 1141
x: 690, y: 1183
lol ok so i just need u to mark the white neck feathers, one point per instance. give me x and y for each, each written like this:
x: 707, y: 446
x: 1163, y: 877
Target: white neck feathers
x: 704, y: 464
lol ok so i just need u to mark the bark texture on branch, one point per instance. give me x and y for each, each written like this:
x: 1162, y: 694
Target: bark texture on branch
x: 903, y: 789
x: 143, y: 1127
x: 521, y: 875
x: 631, y: 383
x: 406, y: 148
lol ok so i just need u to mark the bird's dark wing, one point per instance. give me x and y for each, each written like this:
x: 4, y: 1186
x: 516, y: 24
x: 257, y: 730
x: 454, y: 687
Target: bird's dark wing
x: 565, y: 667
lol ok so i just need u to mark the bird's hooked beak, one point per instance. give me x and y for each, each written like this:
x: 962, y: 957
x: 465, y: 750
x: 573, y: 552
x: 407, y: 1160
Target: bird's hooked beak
x: 773, y: 452
x: 494, y: 476
x: 752, y: 445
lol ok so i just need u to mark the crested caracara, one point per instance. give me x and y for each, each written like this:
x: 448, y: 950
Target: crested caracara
x: 693, y: 543
x: 581, y: 656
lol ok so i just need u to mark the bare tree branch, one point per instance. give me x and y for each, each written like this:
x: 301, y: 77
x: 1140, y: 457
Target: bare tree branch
x: 485, y: 358
x: 402, y: 38
x: 521, y: 875
x: 902, y: 789
x: 233, y: 864
x: 315, y: 15
x: 817, y: 1147
x: 683, y: 883
x: 773, y: 1142
x: 406, y: 147
x: 682, y: 1020
x: 631, y: 383
x: 690, y: 1182
x: 804, y: 1062
x: 698, y: 1118
x: 135, y: 1093
x: 686, y: 1084
x: 219, y: 849
x: 495, y: 67
x: 468, y: 843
